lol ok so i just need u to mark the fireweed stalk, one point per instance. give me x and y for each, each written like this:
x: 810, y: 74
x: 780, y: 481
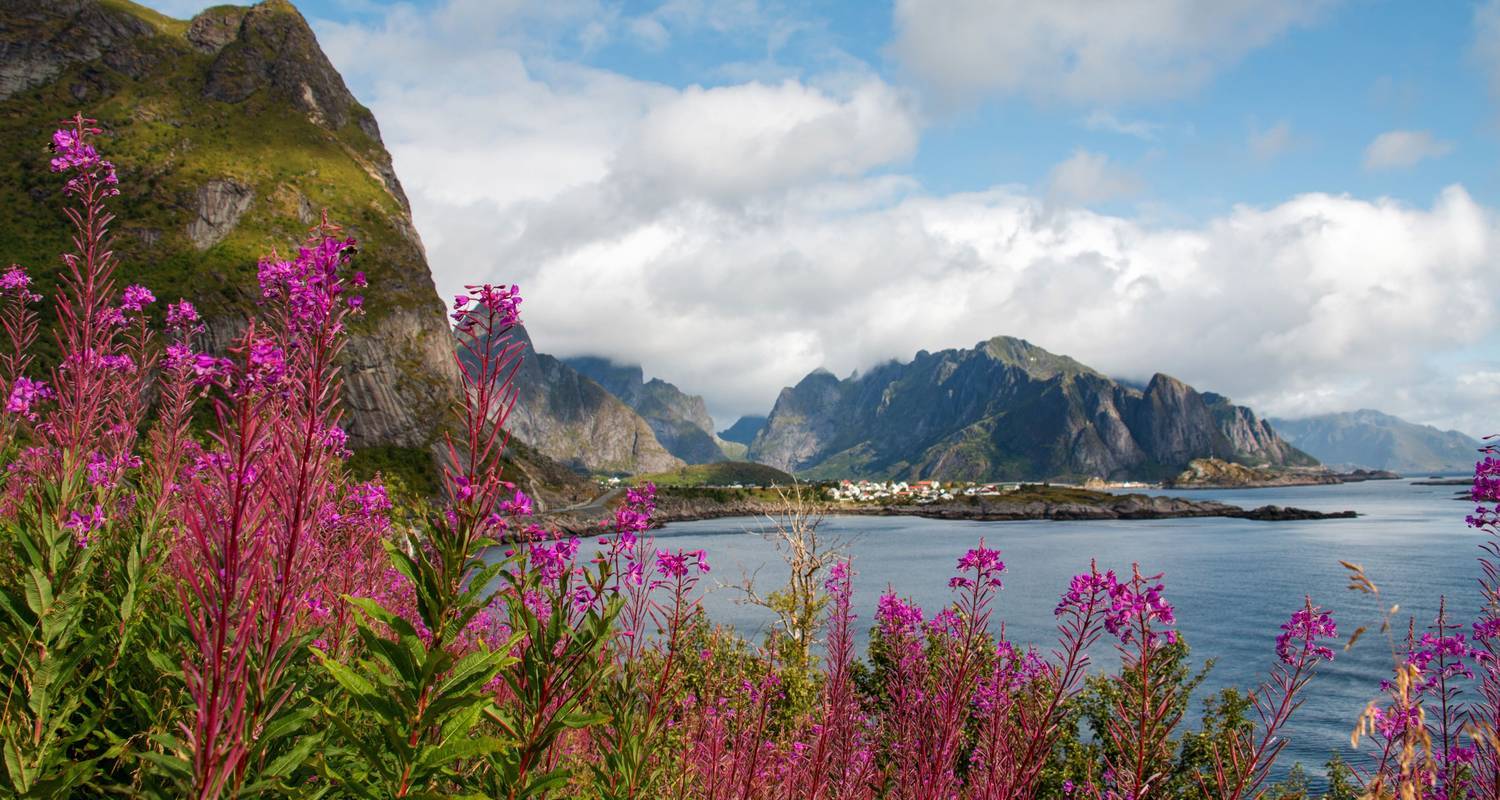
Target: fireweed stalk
x: 1146, y: 711
x: 1242, y: 766
x: 659, y: 596
x: 77, y: 564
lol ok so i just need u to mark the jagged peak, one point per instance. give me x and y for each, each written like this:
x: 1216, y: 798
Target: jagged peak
x: 215, y: 27
x: 1034, y: 360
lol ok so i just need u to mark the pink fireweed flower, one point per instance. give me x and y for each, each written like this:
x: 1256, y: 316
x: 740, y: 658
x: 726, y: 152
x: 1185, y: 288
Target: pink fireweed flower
x: 1084, y: 590
x: 1129, y: 606
x: 182, y: 318
x: 84, y: 524
x: 520, y: 506
x: 551, y: 561
x: 16, y: 282
x: 1301, y: 633
x: 371, y: 498
x: 671, y: 565
x: 336, y: 439
x: 136, y: 298
x: 105, y: 471
x: 503, y: 302
x: 25, y: 394
x: 986, y: 565
x: 119, y: 363
x: 896, y: 615
x: 73, y: 153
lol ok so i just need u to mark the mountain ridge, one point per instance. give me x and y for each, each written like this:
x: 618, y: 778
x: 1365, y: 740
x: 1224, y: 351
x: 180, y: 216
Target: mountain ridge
x: 679, y: 420
x: 1005, y: 409
x: 1375, y: 440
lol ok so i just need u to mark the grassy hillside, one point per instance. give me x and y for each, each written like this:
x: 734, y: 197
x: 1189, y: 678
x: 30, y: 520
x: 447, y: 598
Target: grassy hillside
x: 723, y: 473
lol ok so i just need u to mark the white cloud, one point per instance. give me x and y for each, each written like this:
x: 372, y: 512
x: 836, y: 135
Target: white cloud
x: 1101, y: 120
x: 734, y: 141
x: 1268, y: 144
x: 1084, y: 51
x: 733, y: 238
x: 1396, y: 149
x: 1087, y: 178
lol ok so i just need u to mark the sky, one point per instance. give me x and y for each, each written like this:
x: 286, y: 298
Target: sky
x: 1290, y: 202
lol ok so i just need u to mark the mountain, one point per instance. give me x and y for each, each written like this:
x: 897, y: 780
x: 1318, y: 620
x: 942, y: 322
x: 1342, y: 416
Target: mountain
x: 574, y: 420
x: 232, y: 133
x: 1373, y: 440
x: 743, y: 430
x: 1006, y: 409
x: 679, y: 420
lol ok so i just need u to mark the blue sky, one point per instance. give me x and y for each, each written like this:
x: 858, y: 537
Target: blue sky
x: 1288, y: 202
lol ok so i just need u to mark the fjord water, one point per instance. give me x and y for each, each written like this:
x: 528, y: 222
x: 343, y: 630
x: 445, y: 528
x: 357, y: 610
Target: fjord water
x: 1233, y: 582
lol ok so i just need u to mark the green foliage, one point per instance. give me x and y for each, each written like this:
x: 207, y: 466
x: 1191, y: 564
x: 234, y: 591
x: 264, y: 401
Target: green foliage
x: 721, y: 473
x: 408, y: 473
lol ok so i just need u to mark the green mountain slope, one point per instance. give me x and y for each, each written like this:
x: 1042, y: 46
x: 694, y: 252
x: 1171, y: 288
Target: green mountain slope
x: 232, y: 134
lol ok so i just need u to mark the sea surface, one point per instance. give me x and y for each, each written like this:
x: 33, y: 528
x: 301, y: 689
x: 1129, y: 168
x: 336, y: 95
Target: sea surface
x: 1233, y: 582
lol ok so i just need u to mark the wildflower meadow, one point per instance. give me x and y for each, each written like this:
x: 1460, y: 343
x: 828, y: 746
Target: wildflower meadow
x: 197, y: 599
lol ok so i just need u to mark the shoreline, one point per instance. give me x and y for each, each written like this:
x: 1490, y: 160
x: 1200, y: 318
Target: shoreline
x: 1108, y: 507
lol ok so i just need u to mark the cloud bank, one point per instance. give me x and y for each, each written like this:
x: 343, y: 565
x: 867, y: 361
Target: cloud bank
x: 733, y: 237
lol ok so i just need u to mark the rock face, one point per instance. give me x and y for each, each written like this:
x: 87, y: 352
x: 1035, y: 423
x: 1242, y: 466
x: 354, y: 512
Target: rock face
x: 231, y: 133
x: 1005, y: 410
x: 219, y: 207
x: 679, y: 420
x: 572, y: 419
x: 35, y: 49
x: 1203, y: 473
x: 1373, y: 440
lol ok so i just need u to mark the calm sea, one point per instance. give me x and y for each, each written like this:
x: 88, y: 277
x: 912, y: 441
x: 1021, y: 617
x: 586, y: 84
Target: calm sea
x: 1233, y: 582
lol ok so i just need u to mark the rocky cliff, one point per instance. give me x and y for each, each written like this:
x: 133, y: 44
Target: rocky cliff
x: 1005, y: 409
x: 679, y: 420
x: 570, y: 418
x: 232, y: 133
x: 1374, y: 440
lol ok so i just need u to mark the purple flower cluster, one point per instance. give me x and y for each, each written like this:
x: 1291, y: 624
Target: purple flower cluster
x: 503, y: 303
x: 1299, y: 635
x: 309, y: 287
x: 182, y: 318
x: 986, y: 565
x: 83, y: 524
x: 1486, y: 489
x: 551, y: 561
x: 72, y: 152
x: 675, y: 565
x: 898, y: 616
x: 1449, y: 651
x: 25, y: 394
x: 1138, y: 602
x: 104, y: 471
x: 16, y: 282
x: 136, y: 298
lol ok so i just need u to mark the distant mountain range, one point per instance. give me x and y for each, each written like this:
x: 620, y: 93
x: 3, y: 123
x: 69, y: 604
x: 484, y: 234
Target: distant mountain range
x: 679, y: 420
x: 1006, y: 409
x: 1373, y: 440
x: 572, y: 419
x: 743, y: 430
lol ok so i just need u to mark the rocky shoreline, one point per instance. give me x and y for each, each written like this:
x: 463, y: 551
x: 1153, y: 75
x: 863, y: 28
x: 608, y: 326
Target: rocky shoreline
x: 1117, y: 507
